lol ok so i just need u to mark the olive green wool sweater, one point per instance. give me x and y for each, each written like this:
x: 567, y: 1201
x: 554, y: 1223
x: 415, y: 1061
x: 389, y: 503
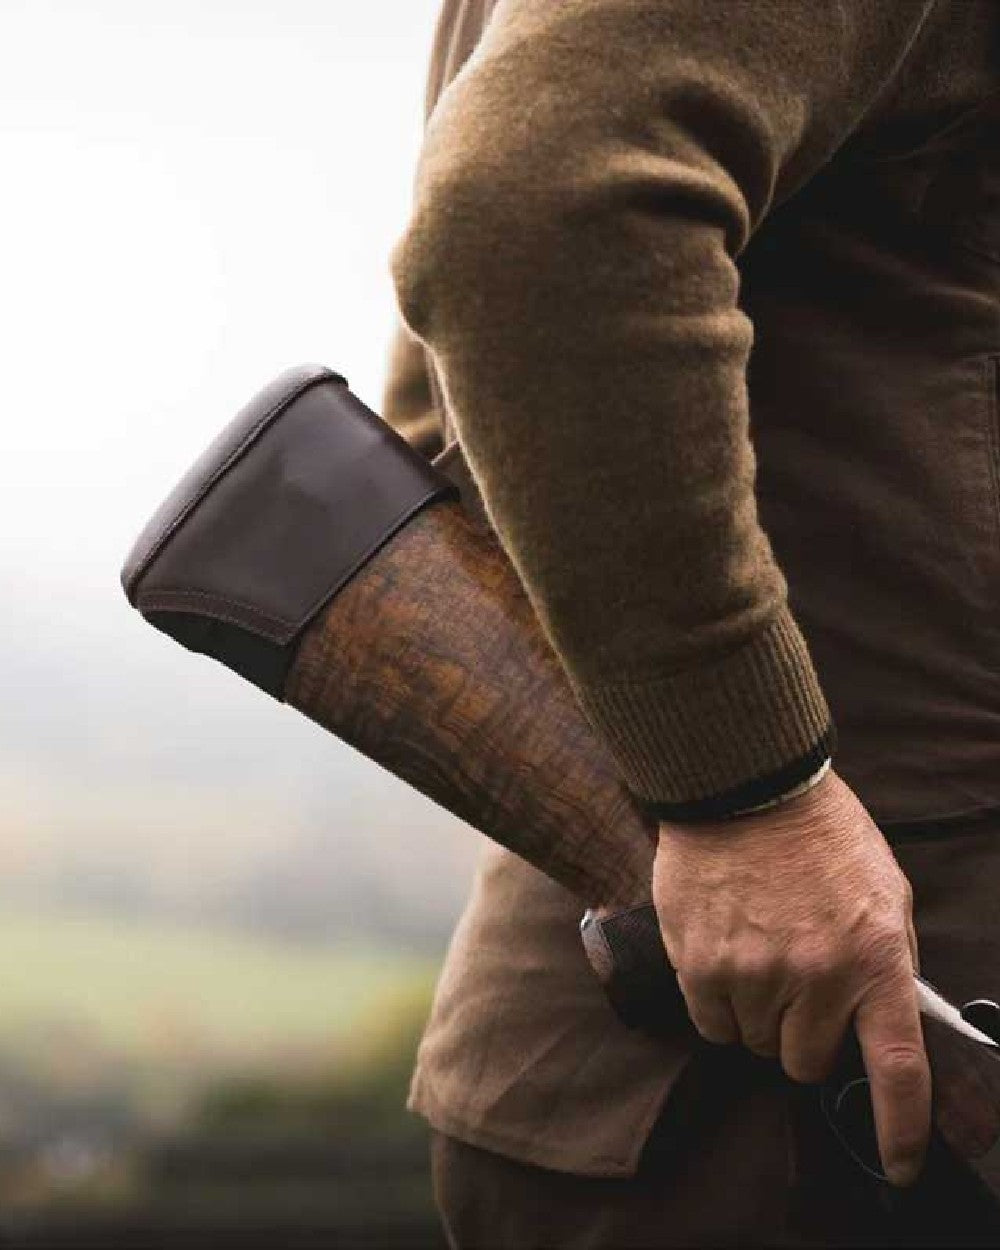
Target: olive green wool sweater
x: 585, y: 189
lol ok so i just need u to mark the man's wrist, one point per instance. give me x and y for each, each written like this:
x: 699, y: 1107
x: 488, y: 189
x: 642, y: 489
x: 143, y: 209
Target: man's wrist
x: 801, y: 788
x: 774, y: 802
x: 721, y: 735
x: 758, y: 792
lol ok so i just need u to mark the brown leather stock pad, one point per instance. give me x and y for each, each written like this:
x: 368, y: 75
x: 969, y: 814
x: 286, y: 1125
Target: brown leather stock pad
x: 285, y: 506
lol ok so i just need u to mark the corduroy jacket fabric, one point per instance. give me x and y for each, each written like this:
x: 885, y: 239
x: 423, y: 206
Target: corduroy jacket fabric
x: 710, y: 293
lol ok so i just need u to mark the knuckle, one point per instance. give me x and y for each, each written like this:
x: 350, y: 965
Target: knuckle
x: 758, y: 1038
x: 700, y: 975
x: 887, y: 932
x: 756, y: 968
x: 712, y: 1031
x: 807, y: 1067
x: 817, y: 963
x: 709, y: 971
x: 885, y: 948
x: 903, y: 1067
x: 711, y: 1021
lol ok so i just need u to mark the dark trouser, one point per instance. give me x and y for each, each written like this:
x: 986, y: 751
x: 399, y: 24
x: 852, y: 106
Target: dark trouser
x: 740, y: 1156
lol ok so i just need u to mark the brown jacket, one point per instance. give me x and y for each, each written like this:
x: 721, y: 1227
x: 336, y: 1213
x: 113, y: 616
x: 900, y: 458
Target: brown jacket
x: 819, y: 182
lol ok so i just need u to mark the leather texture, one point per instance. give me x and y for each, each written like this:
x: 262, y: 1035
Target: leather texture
x: 228, y: 446
x: 289, y: 501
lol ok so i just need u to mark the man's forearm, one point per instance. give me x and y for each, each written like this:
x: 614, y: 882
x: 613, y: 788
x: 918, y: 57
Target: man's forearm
x: 409, y: 407
x: 585, y: 187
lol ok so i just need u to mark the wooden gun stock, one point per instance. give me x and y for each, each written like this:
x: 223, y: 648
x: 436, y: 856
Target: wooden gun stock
x: 431, y: 663
x: 312, y: 551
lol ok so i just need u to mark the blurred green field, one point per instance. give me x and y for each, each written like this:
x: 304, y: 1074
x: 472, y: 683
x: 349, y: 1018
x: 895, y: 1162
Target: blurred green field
x: 195, y: 997
x: 159, y: 1076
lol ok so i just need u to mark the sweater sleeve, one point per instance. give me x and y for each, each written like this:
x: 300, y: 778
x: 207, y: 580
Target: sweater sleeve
x: 407, y: 400
x: 585, y: 186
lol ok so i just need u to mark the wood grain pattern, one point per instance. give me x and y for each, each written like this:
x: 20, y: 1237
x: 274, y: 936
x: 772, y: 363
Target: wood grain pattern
x: 431, y: 662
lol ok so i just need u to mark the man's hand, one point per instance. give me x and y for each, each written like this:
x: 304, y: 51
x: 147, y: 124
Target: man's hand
x: 785, y: 926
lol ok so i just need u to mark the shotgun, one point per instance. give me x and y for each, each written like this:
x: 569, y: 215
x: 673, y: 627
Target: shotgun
x: 314, y: 552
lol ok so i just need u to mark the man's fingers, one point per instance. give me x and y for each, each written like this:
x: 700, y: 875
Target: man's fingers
x: 758, y: 1009
x: 812, y: 1033
x: 887, y: 1021
x: 712, y: 1015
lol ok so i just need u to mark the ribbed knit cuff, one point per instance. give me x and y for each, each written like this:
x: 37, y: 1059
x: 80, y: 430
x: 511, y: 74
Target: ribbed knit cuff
x: 703, y: 743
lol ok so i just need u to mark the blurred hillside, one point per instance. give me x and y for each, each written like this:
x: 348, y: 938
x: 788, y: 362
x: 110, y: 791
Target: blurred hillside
x: 143, y: 780
x: 163, y: 1081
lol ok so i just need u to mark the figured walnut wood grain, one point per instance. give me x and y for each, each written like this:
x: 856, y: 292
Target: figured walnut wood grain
x: 431, y: 662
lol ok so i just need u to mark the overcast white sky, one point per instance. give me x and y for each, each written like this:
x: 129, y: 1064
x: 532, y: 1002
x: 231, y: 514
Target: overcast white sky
x: 196, y: 194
